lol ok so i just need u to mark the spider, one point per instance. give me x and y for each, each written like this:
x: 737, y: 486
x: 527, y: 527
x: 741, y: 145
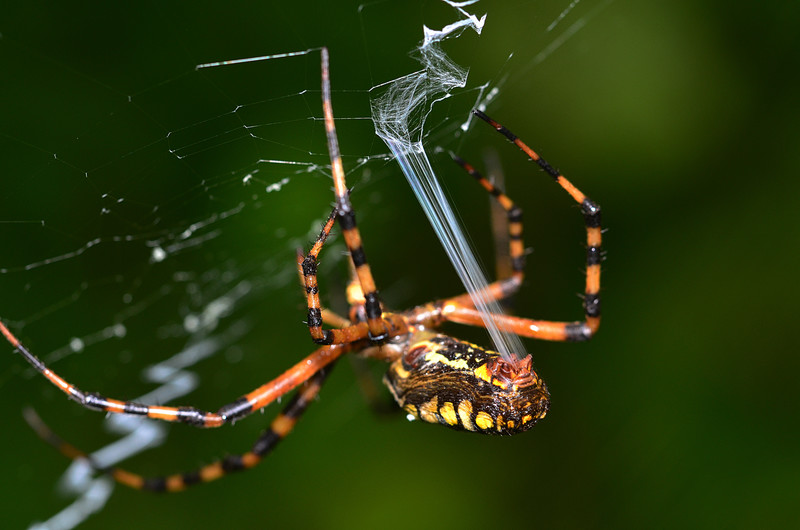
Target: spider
x: 433, y: 377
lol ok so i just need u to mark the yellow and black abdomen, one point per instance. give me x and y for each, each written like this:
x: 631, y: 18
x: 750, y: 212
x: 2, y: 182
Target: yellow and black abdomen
x: 461, y: 385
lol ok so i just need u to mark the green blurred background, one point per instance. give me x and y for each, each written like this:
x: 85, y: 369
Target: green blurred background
x: 679, y: 119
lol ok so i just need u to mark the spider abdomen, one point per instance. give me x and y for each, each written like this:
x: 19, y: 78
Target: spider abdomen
x: 463, y: 386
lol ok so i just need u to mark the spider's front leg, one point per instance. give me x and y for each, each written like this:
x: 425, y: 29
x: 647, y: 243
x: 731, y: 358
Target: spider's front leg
x: 392, y: 325
x: 378, y: 326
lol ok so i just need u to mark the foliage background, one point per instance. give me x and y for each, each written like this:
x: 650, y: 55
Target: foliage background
x: 680, y: 120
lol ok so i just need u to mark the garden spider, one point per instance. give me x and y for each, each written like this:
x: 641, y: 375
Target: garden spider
x: 434, y: 377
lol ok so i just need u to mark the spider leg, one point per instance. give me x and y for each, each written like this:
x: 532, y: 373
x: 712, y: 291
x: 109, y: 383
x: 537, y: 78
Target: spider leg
x: 317, y: 315
x: 244, y: 406
x: 309, y: 283
x: 334, y: 319
x: 355, y: 298
x: 458, y: 310
x: 328, y: 316
x: 278, y: 429
x: 504, y: 287
x: 499, y: 218
x: 378, y: 327
x: 525, y: 327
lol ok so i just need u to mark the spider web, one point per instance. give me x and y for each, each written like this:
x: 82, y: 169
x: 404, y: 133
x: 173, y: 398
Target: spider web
x: 151, y: 210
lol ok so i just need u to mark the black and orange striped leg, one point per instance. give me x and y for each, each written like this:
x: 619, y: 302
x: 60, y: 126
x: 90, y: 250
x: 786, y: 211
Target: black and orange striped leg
x: 345, y: 333
x: 328, y: 317
x: 524, y: 327
x: 549, y: 330
x: 308, y: 271
x: 378, y: 327
x: 504, y: 287
x: 278, y: 429
x: 244, y: 406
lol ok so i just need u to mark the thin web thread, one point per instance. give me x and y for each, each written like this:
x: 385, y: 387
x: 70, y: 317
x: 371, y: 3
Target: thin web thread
x: 399, y: 115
